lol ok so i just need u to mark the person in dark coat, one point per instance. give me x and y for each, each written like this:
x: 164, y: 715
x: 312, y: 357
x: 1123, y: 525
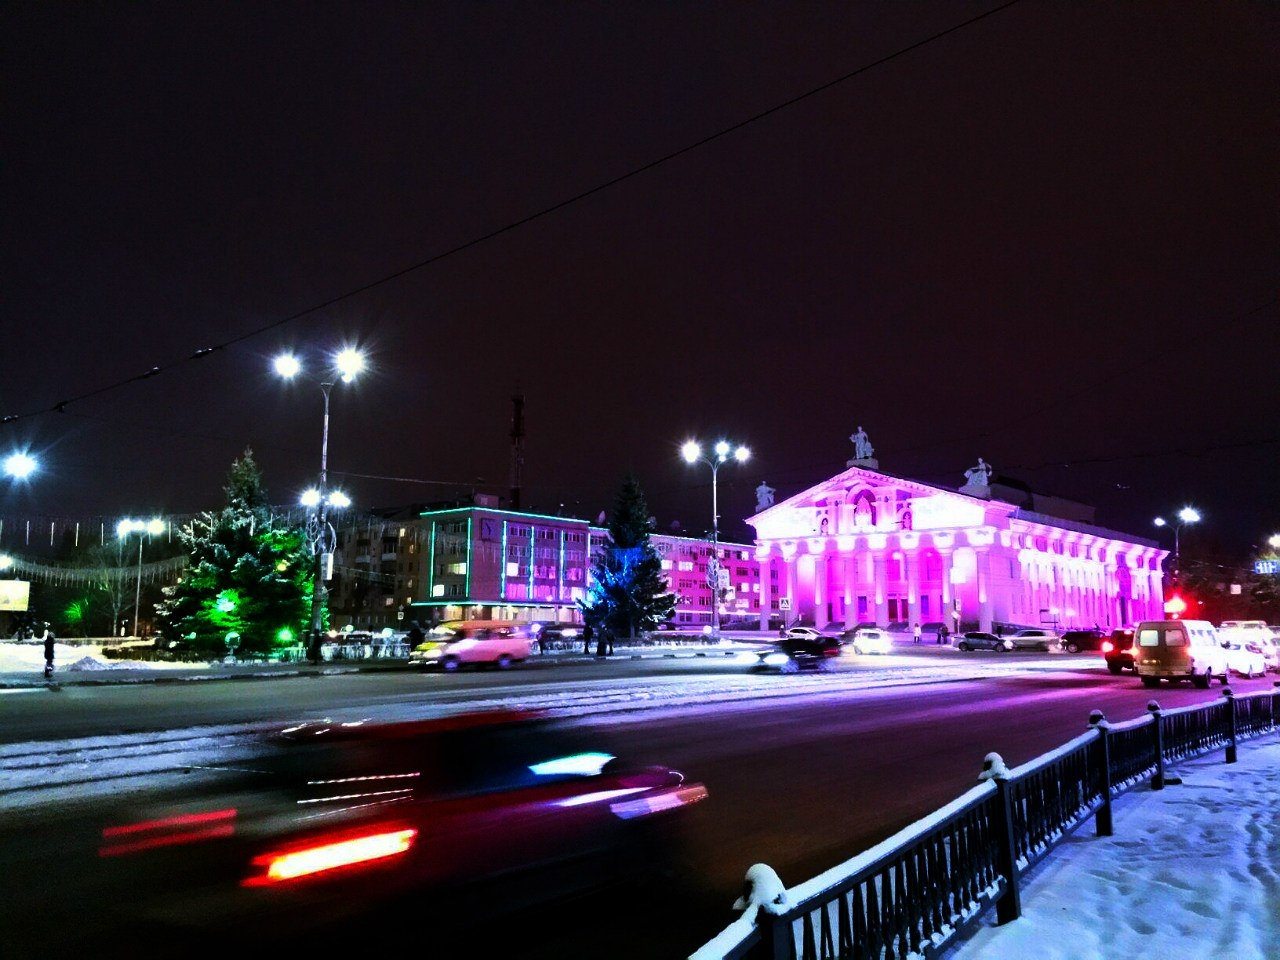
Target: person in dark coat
x: 588, y: 634
x: 48, y: 652
x: 942, y: 633
x: 415, y: 636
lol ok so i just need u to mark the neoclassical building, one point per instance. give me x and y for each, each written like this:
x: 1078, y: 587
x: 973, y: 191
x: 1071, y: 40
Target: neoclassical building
x: 865, y: 547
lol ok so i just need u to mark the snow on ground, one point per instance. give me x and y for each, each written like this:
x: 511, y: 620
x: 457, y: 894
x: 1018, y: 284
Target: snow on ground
x: 29, y: 658
x: 1192, y: 873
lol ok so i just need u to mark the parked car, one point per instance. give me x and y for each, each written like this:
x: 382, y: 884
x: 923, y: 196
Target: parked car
x: 1270, y: 650
x: 1073, y: 641
x: 803, y: 633
x: 976, y: 640
x: 1246, y: 658
x: 1179, y: 650
x: 1033, y: 638
x: 1118, y: 652
x: 795, y: 653
x: 496, y: 644
x: 871, y: 640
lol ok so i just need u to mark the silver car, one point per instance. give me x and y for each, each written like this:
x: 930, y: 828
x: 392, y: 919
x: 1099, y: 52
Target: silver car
x: 1033, y: 639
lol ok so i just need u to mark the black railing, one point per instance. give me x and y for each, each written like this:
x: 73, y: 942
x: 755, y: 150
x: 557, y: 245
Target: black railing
x: 912, y: 894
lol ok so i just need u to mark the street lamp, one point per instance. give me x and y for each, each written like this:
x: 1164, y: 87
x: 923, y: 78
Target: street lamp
x: 1274, y: 541
x: 347, y: 364
x: 20, y: 465
x: 151, y: 528
x: 722, y: 453
x: 1184, y: 517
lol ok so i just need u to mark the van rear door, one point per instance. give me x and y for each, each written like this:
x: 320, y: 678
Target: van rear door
x: 1162, y: 649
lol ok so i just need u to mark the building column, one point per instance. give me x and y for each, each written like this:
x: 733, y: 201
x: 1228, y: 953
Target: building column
x: 766, y: 593
x: 849, y: 563
x: 790, y: 566
x: 878, y: 562
x: 984, y: 598
x: 820, y: 591
x: 913, y: 587
x: 944, y: 557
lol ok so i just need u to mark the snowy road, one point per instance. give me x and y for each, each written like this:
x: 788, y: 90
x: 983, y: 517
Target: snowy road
x: 800, y: 781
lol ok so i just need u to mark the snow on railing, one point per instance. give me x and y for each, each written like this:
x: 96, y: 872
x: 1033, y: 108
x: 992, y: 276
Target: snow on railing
x: 900, y: 896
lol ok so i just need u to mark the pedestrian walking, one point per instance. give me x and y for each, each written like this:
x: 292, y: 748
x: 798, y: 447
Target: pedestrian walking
x: 588, y: 634
x: 915, y: 634
x: 942, y: 634
x: 48, y: 639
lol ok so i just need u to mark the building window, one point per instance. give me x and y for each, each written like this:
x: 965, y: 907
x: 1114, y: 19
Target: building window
x: 458, y: 568
x: 438, y: 590
x: 513, y: 569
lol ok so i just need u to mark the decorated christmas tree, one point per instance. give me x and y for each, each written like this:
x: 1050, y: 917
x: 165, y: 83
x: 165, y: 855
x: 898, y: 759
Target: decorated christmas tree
x: 248, y: 583
x: 628, y: 592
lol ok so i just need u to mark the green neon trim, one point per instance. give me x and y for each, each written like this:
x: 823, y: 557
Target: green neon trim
x: 502, y: 566
x: 467, y: 589
x: 431, y: 563
x: 505, y: 513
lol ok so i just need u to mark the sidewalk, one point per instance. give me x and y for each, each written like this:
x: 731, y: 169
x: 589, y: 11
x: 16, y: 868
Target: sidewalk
x: 1192, y: 873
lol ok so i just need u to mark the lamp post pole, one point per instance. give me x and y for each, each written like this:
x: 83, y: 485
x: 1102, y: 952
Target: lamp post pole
x: 319, y: 592
x: 137, y: 590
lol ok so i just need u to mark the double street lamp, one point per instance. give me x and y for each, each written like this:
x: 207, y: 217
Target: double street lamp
x: 150, y: 528
x: 723, y: 452
x: 344, y: 367
x: 1184, y: 517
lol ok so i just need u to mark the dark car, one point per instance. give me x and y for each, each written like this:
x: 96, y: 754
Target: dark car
x: 976, y: 640
x: 467, y: 817
x: 798, y: 651
x: 1073, y: 641
x: 1118, y: 651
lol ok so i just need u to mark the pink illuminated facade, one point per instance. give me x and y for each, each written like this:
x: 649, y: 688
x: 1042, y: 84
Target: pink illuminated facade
x: 865, y: 547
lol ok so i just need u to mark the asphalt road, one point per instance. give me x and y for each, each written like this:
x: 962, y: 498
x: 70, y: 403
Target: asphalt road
x: 800, y: 783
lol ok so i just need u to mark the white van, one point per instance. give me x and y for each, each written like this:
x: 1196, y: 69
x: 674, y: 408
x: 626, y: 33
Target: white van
x: 1178, y: 650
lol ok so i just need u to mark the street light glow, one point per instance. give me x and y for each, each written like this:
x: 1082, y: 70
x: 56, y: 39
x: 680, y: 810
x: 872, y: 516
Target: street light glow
x: 691, y: 451
x: 742, y: 454
x: 722, y: 449
x: 20, y: 465
x: 310, y: 498
x: 350, y: 364
x: 287, y: 366
x: 1189, y: 515
x: 155, y: 527
x: 339, y: 499
x: 1159, y: 521
x: 1274, y: 541
x: 6, y: 561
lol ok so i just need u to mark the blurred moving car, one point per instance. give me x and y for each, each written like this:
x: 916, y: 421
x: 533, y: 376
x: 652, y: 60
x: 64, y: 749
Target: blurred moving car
x: 495, y: 643
x: 1117, y: 650
x: 976, y: 640
x: 1179, y: 650
x: 552, y: 632
x: 795, y: 653
x: 1245, y: 658
x: 1073, y: 641
x: 870, y: 640
x: 1033, y: 638
x: 468, y: 817
x: 1270, y: 650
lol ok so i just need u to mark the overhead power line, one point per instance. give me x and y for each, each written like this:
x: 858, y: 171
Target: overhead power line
x: 61, y: 405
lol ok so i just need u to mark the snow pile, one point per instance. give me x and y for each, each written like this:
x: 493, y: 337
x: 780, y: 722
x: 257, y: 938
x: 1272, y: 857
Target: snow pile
x: 1193, y: 872
x: 29, y: 658
x: 88, y: 663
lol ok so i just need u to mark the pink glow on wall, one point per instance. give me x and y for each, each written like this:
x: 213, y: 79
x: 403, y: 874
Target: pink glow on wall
x: 846, y: 544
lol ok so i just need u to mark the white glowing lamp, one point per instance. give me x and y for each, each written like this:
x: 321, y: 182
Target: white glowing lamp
x: 722, y: 449
x: 350, y: 364
x: 1189, y: 515
x: 691, y: 451
x: 287, y: 366
x: 20, y: 465
x: 310, y: 498
x: 339, y: 500
x: 742, y: 454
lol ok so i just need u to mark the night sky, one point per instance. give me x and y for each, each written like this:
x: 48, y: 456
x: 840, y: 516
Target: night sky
x: 1049, y: 239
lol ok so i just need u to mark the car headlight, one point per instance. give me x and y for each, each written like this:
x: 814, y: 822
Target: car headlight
x: 776, y: 659
x: 568, y: 634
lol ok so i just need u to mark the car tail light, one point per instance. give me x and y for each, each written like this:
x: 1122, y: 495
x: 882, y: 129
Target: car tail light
x: 167, y: 832
x: 1107, y: 646
x: 328, y: 854
x: 659, y: 802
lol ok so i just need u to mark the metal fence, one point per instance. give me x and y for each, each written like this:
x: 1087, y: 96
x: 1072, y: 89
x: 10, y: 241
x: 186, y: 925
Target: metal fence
x: 912, y: 894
